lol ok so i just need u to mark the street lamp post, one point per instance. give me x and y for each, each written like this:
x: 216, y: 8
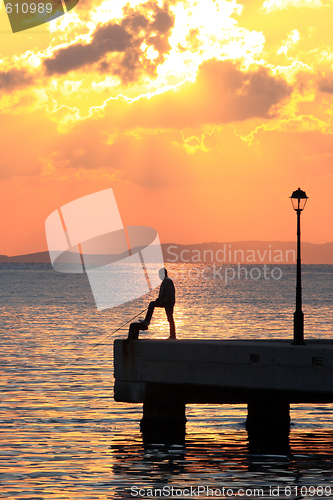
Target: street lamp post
x: 298, y: 199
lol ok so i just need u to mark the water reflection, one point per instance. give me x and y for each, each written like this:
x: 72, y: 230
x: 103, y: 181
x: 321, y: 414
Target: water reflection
x: 64, y: 437
x: 222, y: 460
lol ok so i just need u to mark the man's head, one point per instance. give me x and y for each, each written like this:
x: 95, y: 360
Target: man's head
x: 163, y: 273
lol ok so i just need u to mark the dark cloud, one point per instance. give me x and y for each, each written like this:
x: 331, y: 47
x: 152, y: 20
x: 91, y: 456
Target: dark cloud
x: 13, y: 79
x: 128, y: 67
x: 107, y: 38
x: 134, y: 21
x: 326, y: 84
x: 148, y: 23
x: 239, y: 95
x: 163, y: 22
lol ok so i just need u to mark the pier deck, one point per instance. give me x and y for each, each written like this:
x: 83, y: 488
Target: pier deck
x: 224, y: 371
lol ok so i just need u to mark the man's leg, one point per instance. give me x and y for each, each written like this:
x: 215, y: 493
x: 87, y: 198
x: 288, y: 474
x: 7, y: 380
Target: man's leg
x: 151, y: 307
x: 169, y: 313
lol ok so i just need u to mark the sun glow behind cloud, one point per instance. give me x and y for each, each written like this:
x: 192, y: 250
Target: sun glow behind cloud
x: 202, y: 30
x: 195, y: 99
x: 271, y: 5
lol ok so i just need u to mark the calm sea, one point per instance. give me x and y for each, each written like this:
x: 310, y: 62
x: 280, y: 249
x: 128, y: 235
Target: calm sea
x: 64, y: 437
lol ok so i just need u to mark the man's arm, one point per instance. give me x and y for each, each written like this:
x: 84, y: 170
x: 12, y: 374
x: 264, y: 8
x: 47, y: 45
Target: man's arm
x: 162, y: 292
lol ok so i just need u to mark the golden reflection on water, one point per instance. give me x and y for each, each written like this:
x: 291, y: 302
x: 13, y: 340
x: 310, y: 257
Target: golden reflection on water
x: 64, y: 437
x: 217, y: 460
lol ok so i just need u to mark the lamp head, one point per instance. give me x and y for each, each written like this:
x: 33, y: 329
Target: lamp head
x: 298, y: 200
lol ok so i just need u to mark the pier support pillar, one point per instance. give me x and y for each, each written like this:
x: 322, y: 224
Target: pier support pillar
x: 163, y: 423
x: 268, y: 426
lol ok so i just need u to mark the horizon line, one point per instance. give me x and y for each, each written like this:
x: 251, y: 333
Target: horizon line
x: 189, y: 244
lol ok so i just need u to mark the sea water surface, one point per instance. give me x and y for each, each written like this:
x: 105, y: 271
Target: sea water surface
x: 64, y: 437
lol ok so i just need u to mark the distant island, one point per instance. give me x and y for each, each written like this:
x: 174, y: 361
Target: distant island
x: 246, y: 252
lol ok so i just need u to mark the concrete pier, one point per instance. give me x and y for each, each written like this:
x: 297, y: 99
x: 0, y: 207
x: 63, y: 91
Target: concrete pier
x: 267, y: 375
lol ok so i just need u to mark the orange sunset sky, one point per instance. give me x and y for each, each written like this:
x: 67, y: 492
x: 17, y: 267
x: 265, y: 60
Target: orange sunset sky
x: 202, y: 115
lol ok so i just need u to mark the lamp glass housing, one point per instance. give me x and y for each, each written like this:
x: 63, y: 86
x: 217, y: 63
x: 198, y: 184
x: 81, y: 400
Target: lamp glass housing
x: 298, y: 200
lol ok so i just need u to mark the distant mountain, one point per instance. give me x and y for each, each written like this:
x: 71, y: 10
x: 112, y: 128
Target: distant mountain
x: 247, y: 252
x: 42, y: 257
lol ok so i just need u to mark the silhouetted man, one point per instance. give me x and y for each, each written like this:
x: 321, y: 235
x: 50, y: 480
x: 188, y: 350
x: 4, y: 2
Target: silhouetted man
x: 166, y: 298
